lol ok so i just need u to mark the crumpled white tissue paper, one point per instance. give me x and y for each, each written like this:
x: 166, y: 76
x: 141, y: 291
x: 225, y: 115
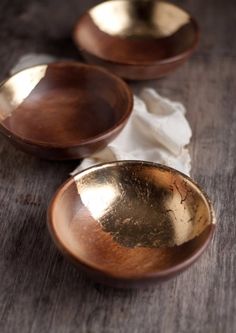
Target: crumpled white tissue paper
x: 157, y: 131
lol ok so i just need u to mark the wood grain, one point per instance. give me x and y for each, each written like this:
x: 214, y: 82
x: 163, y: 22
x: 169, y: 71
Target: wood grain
x: 51, y: 122
x: 136, y: 58
x: 39, y: 290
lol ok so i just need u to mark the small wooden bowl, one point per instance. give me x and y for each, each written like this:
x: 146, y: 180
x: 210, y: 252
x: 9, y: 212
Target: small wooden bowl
x: 127, y: 223
x: 137, y: 40
x: 64, y: 110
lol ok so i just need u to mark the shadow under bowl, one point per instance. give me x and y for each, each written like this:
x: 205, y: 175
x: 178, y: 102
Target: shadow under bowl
x: 137, y: 40
x: 129, y: 223
x: 63, y: 110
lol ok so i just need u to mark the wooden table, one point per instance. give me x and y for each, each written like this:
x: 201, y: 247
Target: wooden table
x: 39, y: 290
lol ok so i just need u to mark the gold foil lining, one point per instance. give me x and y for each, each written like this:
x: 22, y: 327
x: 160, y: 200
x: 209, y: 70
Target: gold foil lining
x: 142, y: 206
x: 139, y: 18
x: 16, y: 89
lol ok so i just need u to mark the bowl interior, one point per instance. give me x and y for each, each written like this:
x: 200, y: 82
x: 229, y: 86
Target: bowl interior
x: 136, y: 32
x: 62, y: 103
x: 131, y: 219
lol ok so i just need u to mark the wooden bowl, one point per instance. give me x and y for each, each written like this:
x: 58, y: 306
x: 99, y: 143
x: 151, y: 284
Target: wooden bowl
x: 64, y: 110
x: 139, y: 39
x: 127, y: 223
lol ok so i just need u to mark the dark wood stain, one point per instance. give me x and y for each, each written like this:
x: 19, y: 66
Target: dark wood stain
x: 136, y: 57
x: 61, y: 116
x: 73, y: 111
x: 39, y: 290
x: 139, y: 50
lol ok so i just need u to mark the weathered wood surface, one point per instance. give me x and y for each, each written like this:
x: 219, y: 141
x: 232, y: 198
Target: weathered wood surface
x: 39, y: 290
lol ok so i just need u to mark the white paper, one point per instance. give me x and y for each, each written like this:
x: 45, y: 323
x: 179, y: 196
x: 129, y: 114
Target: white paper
x: 157, y: 131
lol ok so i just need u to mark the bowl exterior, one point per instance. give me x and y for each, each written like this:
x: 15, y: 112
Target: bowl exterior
x: 61, y: 153
x: 137, y: 72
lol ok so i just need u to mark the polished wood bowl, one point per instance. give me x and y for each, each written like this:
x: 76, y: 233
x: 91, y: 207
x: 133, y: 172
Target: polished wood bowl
x: 63, y: 110
x: 137, y: 40
x: 128, y: 223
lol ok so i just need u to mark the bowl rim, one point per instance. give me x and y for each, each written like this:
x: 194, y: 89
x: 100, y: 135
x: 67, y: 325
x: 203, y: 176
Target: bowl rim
x: 92, y: 140
x: 165, y: 273
x: 132, y: 63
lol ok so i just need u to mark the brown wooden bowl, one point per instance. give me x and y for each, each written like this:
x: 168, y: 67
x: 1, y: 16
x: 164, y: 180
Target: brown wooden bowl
x: 126, y: 223
x: 64, y: 110
x: 139, y: 39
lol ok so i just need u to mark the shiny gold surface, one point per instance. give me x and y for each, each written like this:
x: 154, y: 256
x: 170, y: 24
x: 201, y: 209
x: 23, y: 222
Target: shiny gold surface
x: 139, y: 18
x: 141, y: 204
x: 18, y: 88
